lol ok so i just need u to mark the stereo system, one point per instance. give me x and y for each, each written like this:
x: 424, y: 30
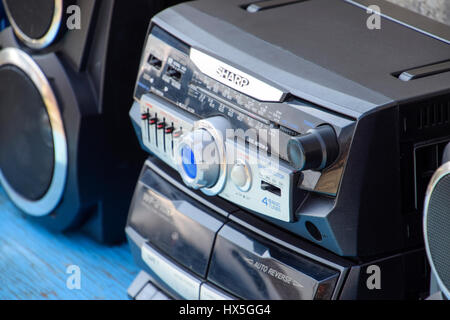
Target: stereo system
x: 292, y: 152
x: 67, y: 157
x: 288, y: 159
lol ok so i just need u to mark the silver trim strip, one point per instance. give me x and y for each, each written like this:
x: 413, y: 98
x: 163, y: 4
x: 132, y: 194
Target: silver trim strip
x: 180, y: 281
x: 237, y: 79
x: 207, y: 292
x: 44, y: 206
x: 440, y: 173
x: 52, y: 31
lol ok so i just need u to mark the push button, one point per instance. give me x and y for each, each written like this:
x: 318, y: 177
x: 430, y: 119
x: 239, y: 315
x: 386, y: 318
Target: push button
x: 161, y: 125
x: 177, y: 133
x: 169, y: 130
x: 240, y: 176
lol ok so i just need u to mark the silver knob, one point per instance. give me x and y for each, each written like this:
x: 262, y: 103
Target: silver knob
x: 198, y: 159
x: 241, y: 177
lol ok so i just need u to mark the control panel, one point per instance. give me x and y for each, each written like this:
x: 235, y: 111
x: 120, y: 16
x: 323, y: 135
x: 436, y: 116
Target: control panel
x: 232, y: 135
x: 206, y: 160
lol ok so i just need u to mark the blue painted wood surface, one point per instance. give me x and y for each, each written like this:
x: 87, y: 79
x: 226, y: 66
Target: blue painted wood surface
x: 34, y: 261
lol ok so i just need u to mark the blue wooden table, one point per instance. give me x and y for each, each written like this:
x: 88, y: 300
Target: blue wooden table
x: 34, y: 262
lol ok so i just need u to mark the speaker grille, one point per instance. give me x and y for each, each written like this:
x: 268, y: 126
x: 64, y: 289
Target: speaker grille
x: 26, y: 141
x: 33, y: 18
x: 438, y: 229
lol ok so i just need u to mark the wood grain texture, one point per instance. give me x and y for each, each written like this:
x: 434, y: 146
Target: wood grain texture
x: 33, y: 262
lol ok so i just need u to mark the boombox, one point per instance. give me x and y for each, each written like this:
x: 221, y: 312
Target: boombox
x: 67, y: 70
x: 291, y: 146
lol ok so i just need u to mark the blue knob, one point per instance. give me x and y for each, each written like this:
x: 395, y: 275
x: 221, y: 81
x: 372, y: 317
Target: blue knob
x: 188, y: 161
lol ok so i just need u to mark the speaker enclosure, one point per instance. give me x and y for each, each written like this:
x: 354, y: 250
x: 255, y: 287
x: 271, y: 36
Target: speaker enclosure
x: 52, y: 28
x: 21, y: 60
x: 87, y: 77
x: 436, y: 224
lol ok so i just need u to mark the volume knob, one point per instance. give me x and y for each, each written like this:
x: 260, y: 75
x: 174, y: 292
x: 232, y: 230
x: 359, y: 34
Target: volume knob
x: 198, y: 159
x: 316, y: 149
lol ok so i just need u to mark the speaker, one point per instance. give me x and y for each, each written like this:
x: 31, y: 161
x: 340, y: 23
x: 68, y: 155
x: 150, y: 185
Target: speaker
x: 67, y: 156
x: 37, y: 23
x: 437, y: 224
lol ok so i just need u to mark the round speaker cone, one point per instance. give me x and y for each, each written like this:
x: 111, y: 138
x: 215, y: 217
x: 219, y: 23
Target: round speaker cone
x: 37, y: 22
x: 437, y: 226
x: 26, y: 141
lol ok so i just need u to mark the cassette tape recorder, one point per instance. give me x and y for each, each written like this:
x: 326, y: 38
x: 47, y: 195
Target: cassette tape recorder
x: 291, y: 120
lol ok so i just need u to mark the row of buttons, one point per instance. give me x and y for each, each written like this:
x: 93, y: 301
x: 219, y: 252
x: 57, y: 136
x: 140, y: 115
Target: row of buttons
x: 159, y: 125
x: 159, y: 133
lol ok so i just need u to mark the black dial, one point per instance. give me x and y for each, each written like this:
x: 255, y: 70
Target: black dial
x: 316, y: 149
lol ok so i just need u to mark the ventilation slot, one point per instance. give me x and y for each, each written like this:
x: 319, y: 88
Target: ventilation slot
x: 425, y: 118
x: 436, y: 114
x: 258, y: 6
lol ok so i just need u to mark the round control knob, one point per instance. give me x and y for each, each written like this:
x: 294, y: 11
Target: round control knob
x: 316, y: 149
x: 240, y: 176
x: 198, y: 159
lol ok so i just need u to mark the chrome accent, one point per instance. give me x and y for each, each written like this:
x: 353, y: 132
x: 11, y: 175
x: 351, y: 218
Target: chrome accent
x: 51, y: 34
x: 217, y: 127
x: 207, y: 171
x: 176, y: 278
x: 253, y: 87
x: 207, y: 292
x: 45, y: 205
x: 440, y: 173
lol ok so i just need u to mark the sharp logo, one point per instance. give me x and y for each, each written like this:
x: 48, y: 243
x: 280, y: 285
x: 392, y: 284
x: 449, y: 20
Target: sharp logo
x: 233, y: 77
